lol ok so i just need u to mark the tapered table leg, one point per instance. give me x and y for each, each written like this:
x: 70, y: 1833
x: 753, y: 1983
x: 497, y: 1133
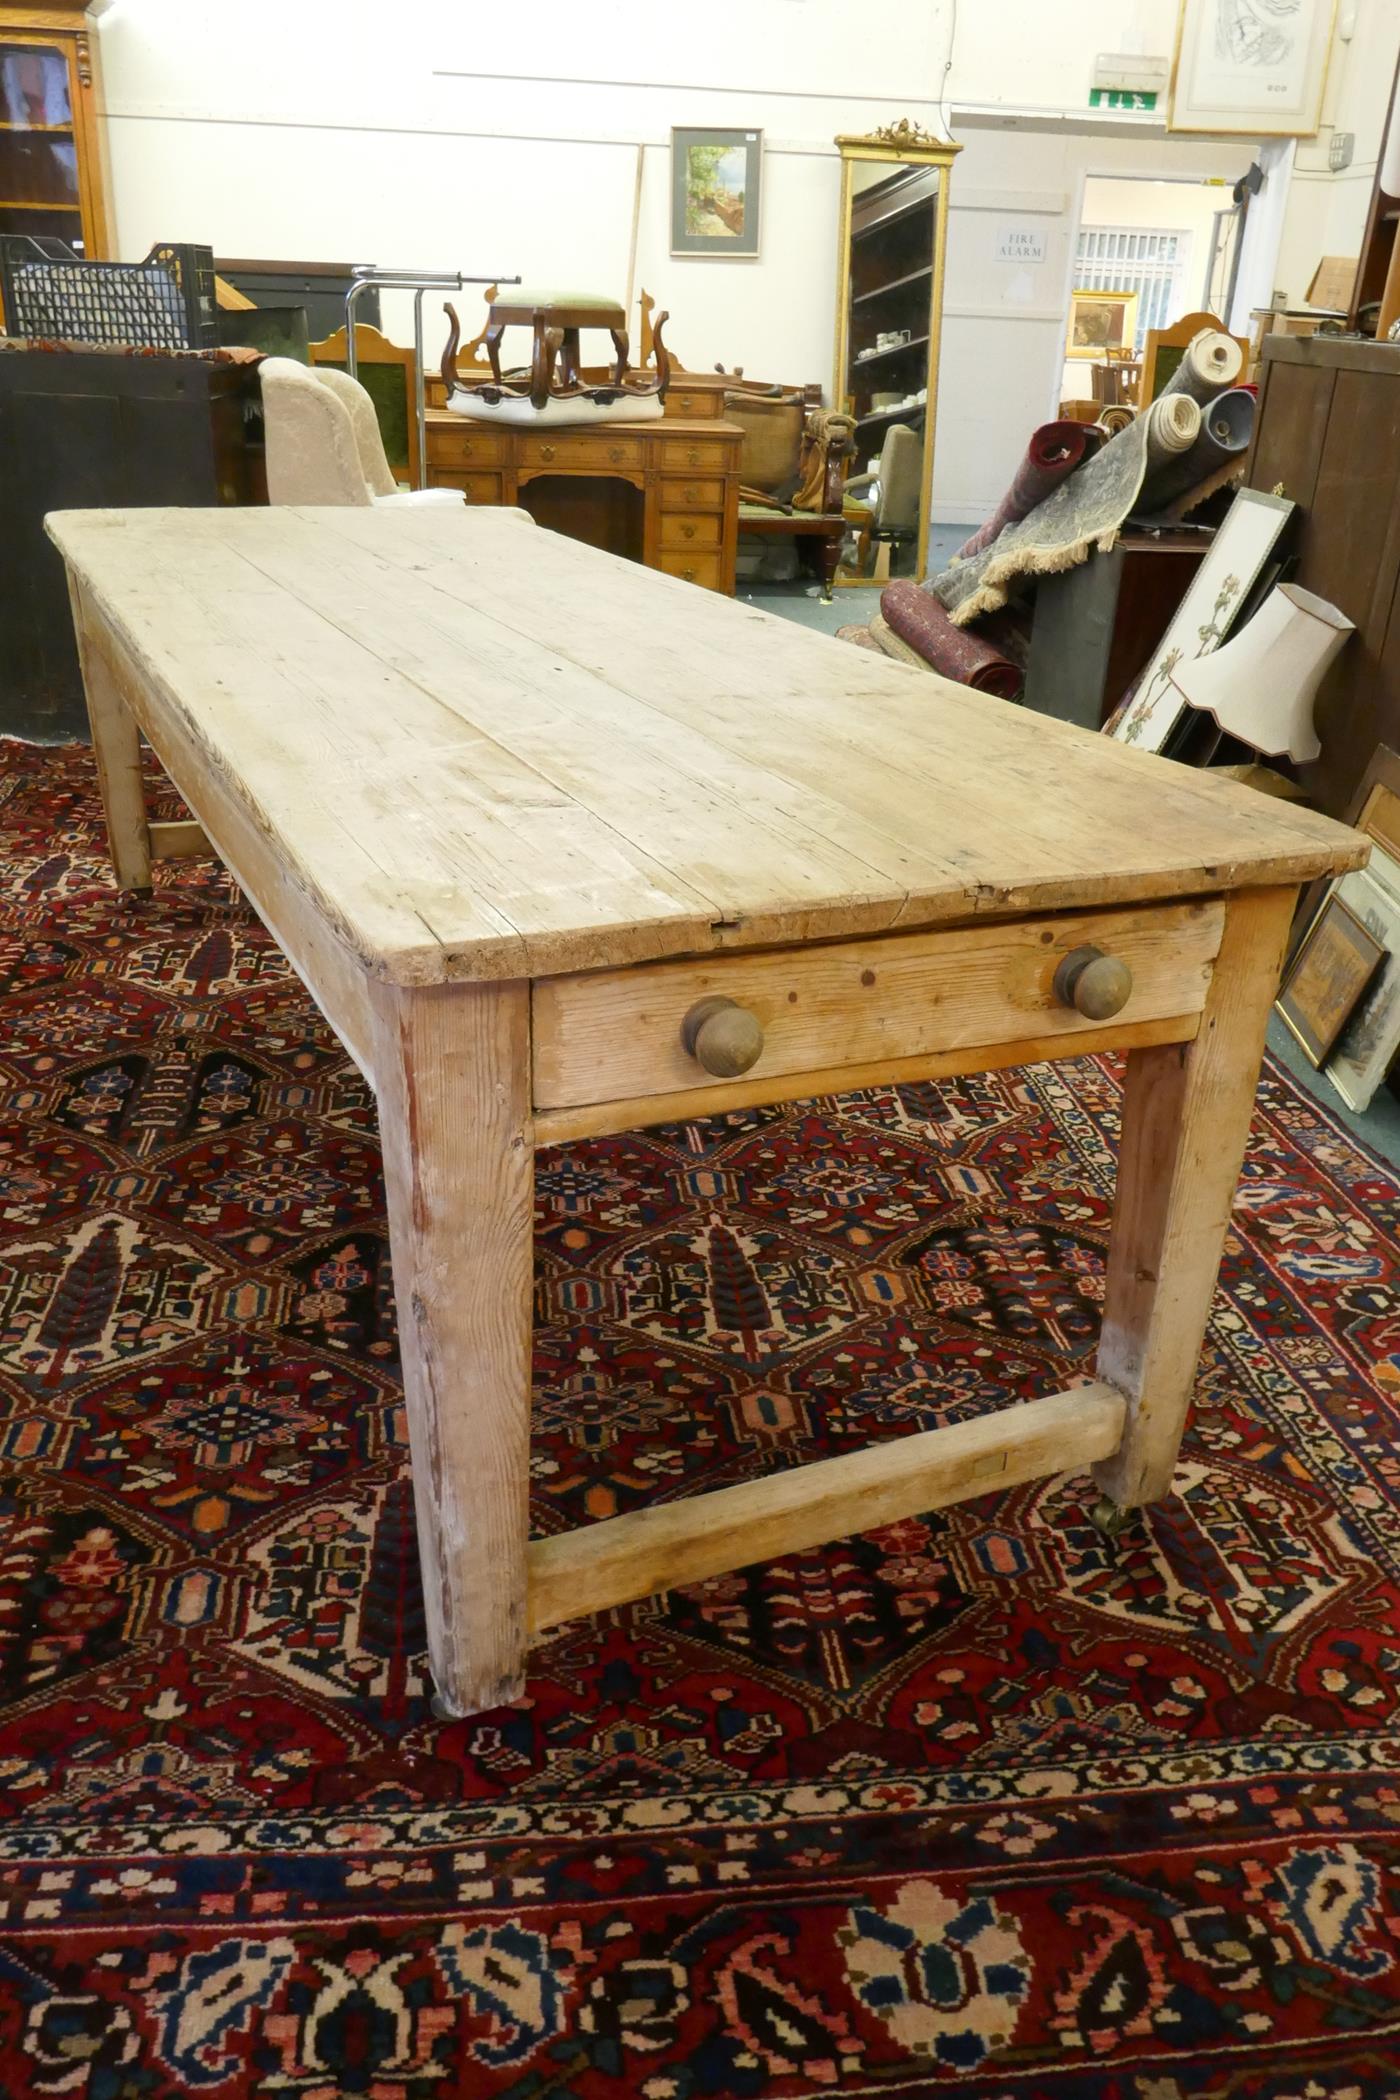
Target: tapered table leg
x: 451, y: 1067
x: 116, y: 746
x: 1186, y: 1112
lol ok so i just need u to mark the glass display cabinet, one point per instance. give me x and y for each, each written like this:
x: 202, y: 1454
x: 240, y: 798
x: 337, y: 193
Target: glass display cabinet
x: 894, y: 222
x: 50, y: 161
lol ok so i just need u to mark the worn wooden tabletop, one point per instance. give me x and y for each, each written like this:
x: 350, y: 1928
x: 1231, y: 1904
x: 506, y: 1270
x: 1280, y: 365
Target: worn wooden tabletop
x: 489, y: 752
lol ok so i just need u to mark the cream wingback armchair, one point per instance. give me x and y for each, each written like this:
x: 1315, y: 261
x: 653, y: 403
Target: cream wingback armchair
x: 323, y: 442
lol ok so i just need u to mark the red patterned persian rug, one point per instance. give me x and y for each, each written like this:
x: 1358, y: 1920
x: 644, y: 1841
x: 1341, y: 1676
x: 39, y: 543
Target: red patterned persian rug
x: 978, y: 1803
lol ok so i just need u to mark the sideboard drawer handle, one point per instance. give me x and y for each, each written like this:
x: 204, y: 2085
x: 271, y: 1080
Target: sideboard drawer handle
x: 1096, y: 985
x: 546, y: 451
x: 724, y: 1038
x: 687, y: 532
x: 615, y: 452
x: 691, y: 495
x: 693, y: 456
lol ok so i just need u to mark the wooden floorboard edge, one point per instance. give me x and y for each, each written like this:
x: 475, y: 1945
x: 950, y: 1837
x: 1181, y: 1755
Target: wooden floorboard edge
x: 555, y: 1126
x: 673, y: 1543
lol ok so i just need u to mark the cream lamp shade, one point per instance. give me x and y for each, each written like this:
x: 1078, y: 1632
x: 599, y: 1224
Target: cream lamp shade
x: 1260, y: 686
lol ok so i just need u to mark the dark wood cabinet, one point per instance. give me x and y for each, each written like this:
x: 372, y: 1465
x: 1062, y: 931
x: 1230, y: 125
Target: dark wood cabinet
x: 89, y: 431
x: 1328, y: 435
x: 1095, y: 627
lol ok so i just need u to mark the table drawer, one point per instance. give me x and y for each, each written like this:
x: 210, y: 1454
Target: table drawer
x: 710, y: 455
x: 615, y: 1035
x: 703, y: 569
x: 681, y: 531
x: 477, y: 488
x: 465, y: 448
x: 707, y: 404
x: 694, y: 494
x: 597, y: 450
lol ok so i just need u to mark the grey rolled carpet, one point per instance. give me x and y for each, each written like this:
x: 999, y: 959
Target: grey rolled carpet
x: 1083, y: 513
x: 1210, y: 362
x: 1227, y: 425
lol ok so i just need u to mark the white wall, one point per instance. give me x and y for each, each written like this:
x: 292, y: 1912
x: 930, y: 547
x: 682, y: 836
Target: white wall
x: 497, y: 138
x: 1326, y: 213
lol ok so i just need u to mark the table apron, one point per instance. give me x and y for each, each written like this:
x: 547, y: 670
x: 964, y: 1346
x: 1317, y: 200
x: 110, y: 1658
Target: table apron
x: 334, y: 975
x: 607, y: 1050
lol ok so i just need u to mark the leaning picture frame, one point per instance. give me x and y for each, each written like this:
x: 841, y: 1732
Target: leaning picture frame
x: 1206, y: 615
x: 1335, y: 963
x: 716, y: 191
x: 1368, y: 1043
x: 1252, y: 66
x: 1100, y: 322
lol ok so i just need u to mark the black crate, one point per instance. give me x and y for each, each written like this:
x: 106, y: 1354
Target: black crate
x: 164, y: 303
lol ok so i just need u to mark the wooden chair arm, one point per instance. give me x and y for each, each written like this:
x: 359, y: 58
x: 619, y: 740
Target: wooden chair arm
x: 825, y: 449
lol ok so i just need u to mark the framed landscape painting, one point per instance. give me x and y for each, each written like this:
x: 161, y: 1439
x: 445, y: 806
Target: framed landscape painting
x: 1336, y: 962
x: 1367, y: 1046
x: 1257, y: 66
x: 716, y: 186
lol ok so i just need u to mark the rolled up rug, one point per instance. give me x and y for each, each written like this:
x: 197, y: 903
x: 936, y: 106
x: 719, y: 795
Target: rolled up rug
x: 1210, y: 362
x: 1054, y: 452
x: 1173, y: 424
x: 1083, y: 513
x: 920, y: 622
x: 1227, y: 425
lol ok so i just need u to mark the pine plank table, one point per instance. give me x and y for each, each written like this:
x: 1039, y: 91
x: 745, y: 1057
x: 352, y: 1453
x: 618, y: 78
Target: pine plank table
x: 562, y: 846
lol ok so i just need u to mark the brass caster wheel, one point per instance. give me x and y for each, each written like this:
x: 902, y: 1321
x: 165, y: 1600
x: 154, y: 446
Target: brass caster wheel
x: 1108, y: 1517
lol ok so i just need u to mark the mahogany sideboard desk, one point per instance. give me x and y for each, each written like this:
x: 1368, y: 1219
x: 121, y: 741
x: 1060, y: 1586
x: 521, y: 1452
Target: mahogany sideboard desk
x: 561, y: 847
x: 664, y: 490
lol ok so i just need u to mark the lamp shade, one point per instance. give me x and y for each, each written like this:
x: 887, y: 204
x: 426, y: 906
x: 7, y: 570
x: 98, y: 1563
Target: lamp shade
x: 1260, y: 686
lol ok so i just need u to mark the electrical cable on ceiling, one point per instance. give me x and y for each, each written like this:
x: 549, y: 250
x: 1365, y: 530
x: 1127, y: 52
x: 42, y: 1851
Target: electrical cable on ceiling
x: 947, y: 69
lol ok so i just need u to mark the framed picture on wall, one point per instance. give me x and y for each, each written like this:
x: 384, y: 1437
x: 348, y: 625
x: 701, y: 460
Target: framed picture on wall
x: 716, y: 191
x: 1101, y: 321
x: 1257, y: 66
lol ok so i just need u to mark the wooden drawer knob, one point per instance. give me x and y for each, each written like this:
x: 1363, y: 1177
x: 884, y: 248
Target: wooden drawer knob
x: 1094, y: 984
x: 691, y: 495
x: 724, y: 1038
x: 546, y: 451
x: 687, y: 532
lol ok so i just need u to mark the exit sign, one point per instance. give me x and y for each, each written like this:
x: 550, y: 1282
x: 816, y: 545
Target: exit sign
x: 1122, y: 98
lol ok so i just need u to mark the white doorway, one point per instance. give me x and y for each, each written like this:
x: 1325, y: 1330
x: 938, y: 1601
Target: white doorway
x: 1171, y: 242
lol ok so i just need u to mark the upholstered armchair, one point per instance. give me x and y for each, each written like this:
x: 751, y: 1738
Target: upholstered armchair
x: 790, y: 470
x: 323, y: 442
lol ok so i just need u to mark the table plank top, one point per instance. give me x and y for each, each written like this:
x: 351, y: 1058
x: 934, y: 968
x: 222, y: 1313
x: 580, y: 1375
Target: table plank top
x: 486, y: 751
